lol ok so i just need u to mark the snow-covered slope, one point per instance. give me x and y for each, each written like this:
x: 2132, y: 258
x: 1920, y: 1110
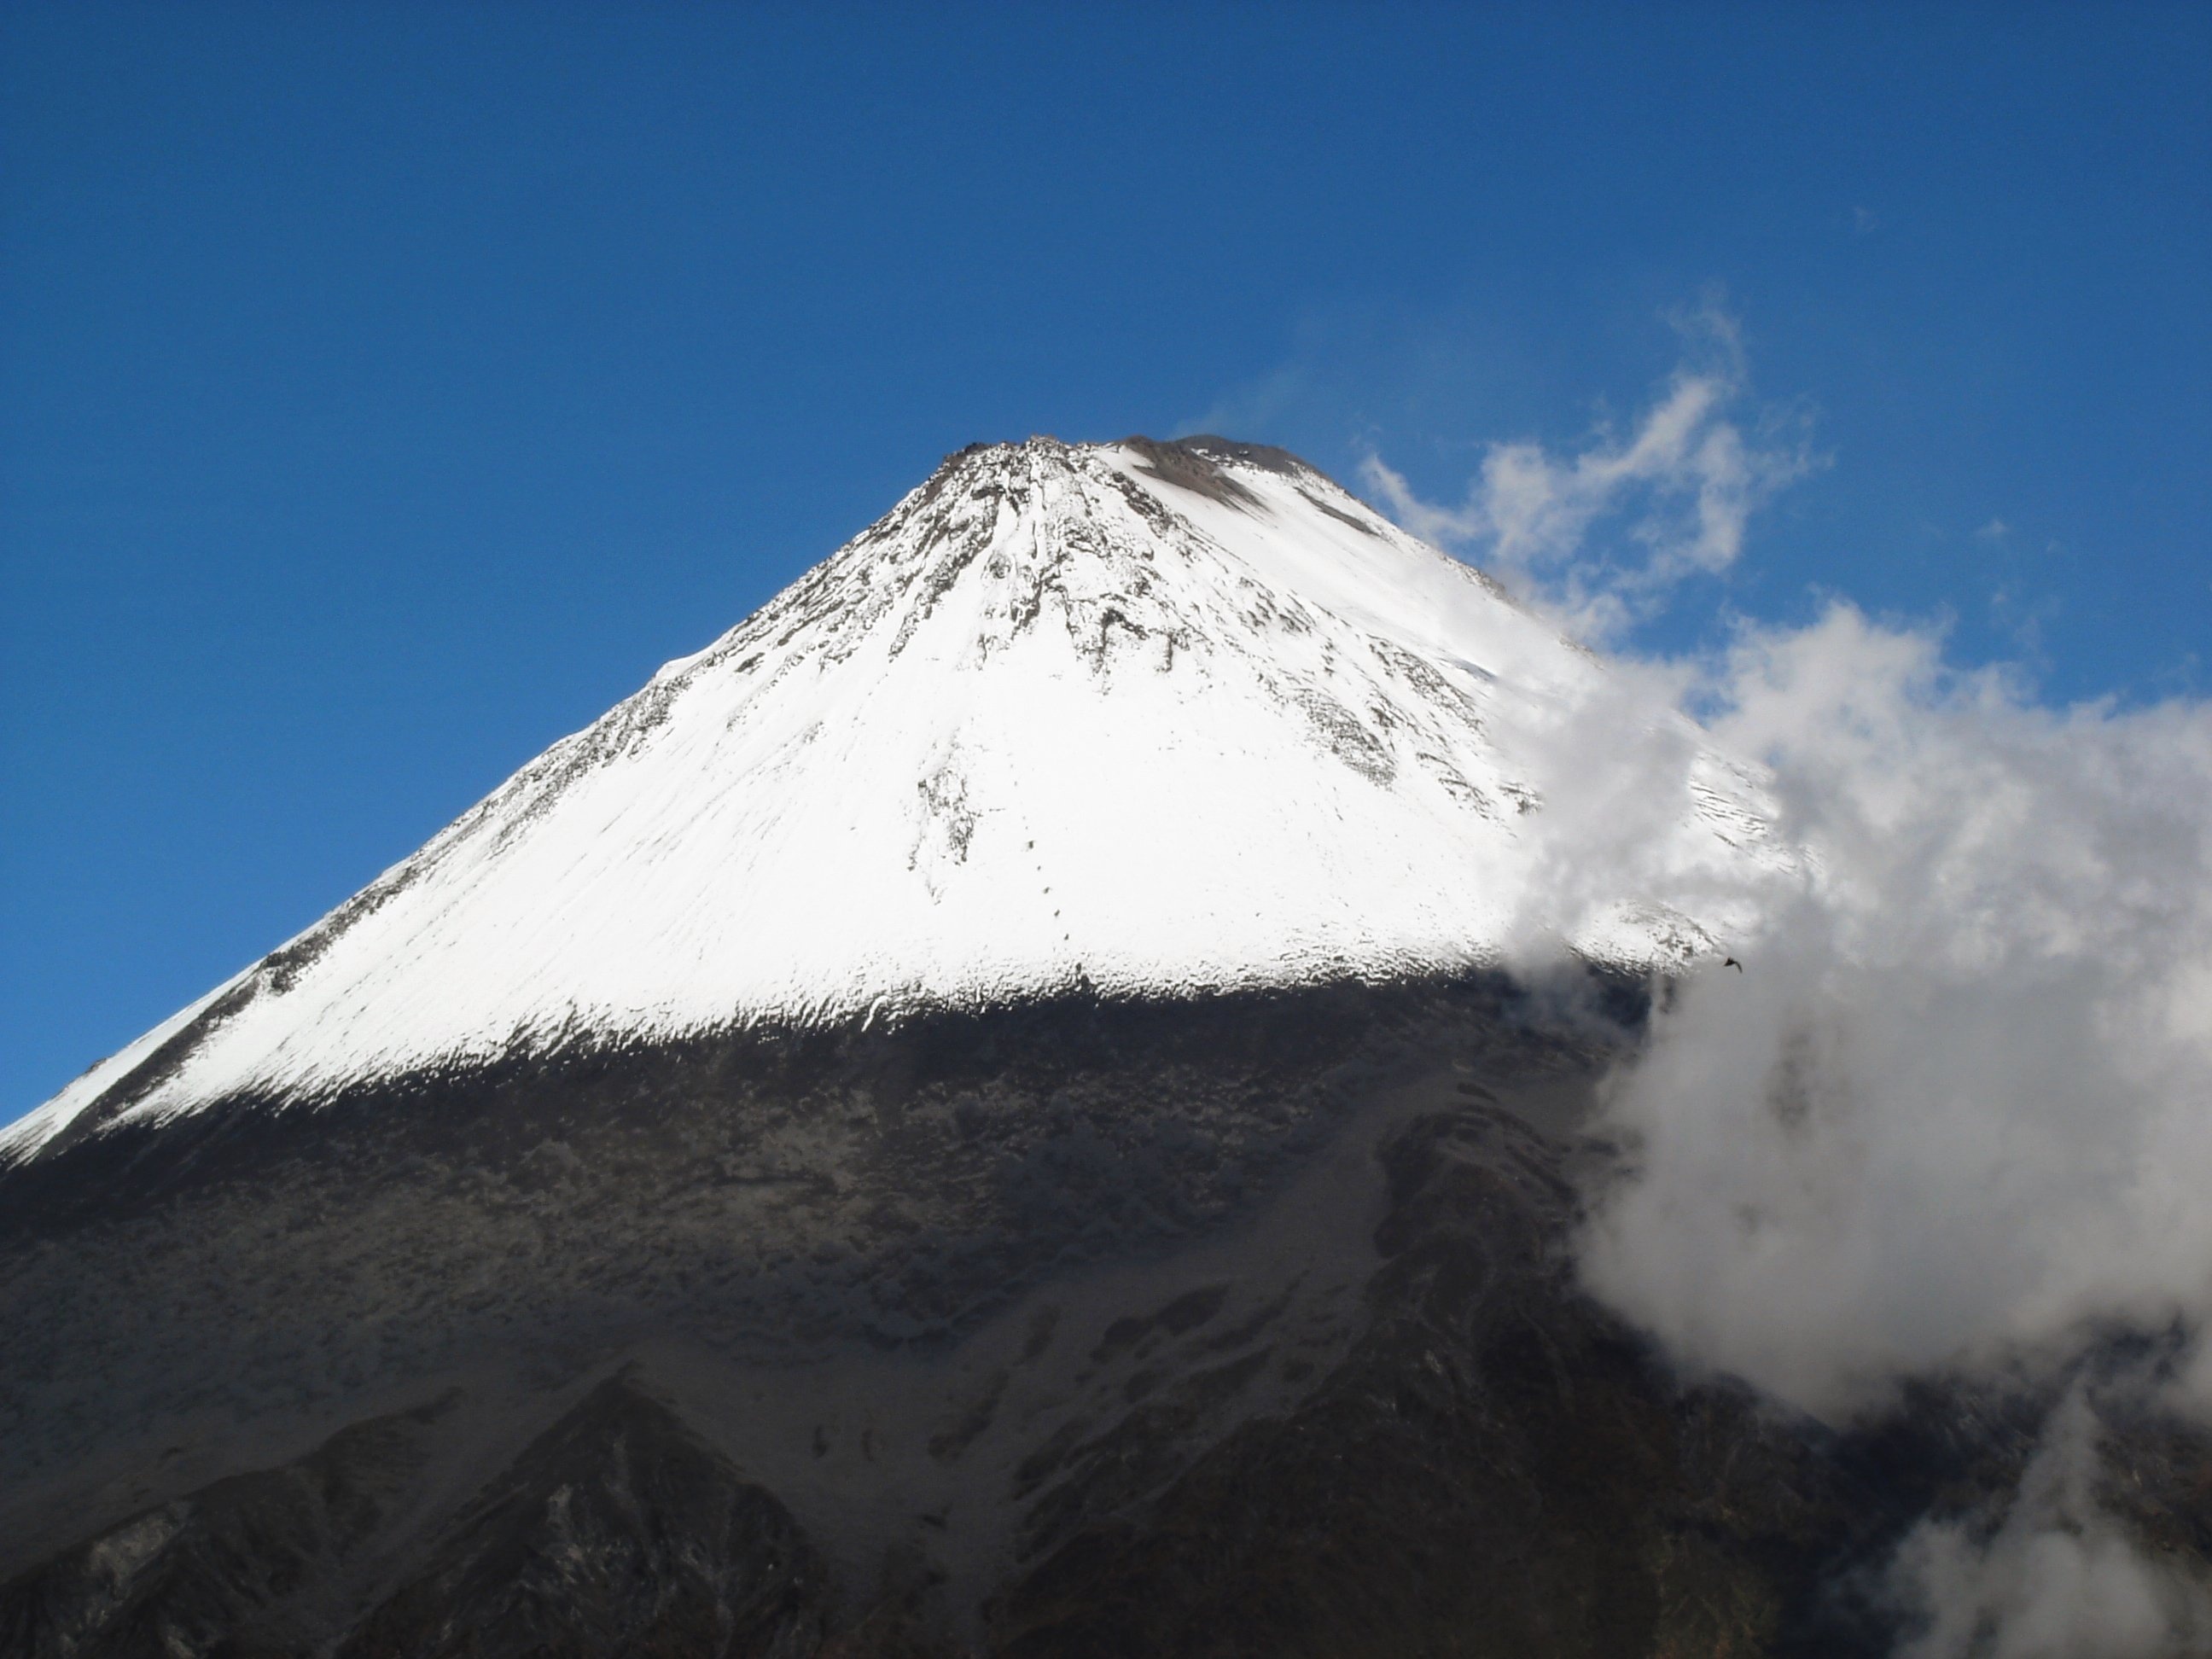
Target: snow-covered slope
x: 1139, y: 718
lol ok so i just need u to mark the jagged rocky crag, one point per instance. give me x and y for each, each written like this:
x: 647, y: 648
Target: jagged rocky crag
x: 578, y: 1244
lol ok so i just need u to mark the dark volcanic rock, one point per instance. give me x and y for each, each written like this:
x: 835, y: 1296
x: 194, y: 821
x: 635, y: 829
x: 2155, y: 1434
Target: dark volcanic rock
x: 247, y: 1566
x: 767, y: 1192
x: 1498, y: 1468
x: 617, y: 1531
x: 1240, y: 1328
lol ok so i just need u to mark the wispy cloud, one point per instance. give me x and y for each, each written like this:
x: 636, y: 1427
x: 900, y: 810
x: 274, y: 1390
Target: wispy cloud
x: 2057, y: 1575
x: 1601, y: 533
x: 1252, y: 409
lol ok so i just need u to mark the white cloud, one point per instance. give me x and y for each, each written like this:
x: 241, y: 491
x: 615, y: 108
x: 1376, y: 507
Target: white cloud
x: 1671, y: 497
x: 1956, y: 1111
x: 1995, y: 530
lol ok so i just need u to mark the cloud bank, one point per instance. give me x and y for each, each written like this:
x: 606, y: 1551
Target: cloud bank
x: 1955, y: 1114
x: 1957, y: 1109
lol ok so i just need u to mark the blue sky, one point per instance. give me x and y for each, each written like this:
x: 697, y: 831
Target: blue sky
x: 385, y: 390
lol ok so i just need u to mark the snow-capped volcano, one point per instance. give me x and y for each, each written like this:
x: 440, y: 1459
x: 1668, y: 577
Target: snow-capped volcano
x: 1147, y: 718
x: 953, y: 1123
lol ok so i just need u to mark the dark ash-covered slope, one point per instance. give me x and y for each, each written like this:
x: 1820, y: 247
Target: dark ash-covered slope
x: 1245, y: 1327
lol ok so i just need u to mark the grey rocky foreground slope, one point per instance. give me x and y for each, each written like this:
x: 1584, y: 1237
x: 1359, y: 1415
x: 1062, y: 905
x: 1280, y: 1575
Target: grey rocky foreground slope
x: 1242, y: 1326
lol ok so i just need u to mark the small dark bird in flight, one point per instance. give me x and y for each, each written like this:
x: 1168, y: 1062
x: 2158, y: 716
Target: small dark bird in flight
x: 1730, y: 961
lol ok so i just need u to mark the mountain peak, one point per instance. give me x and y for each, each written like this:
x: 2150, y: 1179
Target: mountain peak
x: 1146, y: 719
